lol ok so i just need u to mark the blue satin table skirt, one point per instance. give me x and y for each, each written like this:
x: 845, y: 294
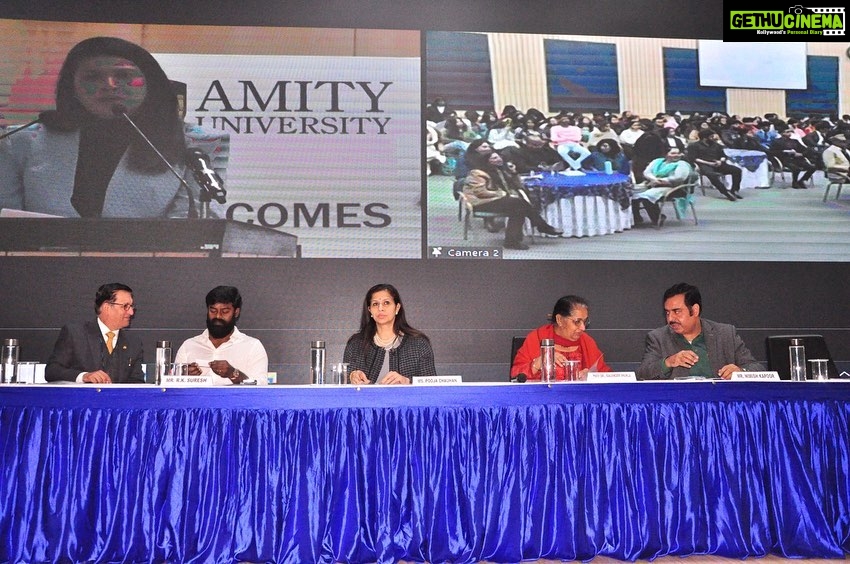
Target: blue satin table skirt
x: 502, y: 472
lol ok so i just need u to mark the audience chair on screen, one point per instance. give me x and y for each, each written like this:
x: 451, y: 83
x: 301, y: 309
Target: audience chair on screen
x: 837, y: 179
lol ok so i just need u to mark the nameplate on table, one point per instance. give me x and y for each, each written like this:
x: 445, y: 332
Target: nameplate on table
x: 611, y: 377
x: 202, y: 380
x: 437, y: 380
x: 755, y: 376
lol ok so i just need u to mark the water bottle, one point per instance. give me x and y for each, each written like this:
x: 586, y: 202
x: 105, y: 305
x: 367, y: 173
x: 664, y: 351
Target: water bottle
x: 547, y: 358
x: 9, y: 361
x: 317, y: 362
x: 608, y: 168
x: 163, y: 359
x: 797, y: 360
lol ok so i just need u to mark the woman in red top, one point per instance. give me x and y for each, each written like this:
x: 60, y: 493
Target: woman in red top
x: 569, y: 322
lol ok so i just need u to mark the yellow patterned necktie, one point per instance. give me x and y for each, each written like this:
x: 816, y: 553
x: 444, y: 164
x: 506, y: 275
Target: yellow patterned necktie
x: 109, y: 336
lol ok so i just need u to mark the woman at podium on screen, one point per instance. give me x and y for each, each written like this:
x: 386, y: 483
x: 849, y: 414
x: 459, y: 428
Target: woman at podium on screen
x: 387, y: 350
x: 568, y: 329
x: 86, y: 158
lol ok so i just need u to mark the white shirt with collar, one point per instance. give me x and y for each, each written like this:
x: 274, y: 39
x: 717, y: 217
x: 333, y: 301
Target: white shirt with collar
x: 103, y: 331
x: 244, y: 353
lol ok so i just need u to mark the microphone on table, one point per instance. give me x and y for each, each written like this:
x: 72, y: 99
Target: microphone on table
x: 520, y: 378
x: 206, y: 177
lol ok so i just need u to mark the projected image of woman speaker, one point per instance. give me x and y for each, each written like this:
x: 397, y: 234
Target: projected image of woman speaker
x: 85, y: 158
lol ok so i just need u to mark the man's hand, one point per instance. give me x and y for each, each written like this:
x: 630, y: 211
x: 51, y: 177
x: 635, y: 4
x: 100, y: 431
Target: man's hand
x: 726, y: 371
x: 684, y: 358
x: 225, y: 370
x: 194, y: 369
x: 97, y: 377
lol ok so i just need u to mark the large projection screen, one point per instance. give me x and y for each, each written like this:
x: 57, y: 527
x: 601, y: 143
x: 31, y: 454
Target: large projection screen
x: 316, y: 131
x: 753, y: 65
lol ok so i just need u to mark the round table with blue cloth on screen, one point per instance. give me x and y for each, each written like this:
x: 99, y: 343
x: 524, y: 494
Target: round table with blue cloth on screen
x: 753, y: 165
x: 592, y: 203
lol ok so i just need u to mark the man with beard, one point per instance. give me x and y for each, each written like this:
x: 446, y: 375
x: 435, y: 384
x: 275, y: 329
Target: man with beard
x: 222, y: 349
x: 690, y: 346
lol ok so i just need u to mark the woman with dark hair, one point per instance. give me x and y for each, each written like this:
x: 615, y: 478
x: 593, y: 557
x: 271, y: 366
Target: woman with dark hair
x: 84, y: 158
x: 608, y: 151
x: 493, y: 185
x: 387, y: 350
x: 569, y: 321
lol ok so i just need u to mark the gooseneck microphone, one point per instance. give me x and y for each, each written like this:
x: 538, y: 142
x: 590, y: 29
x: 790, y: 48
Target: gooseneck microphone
x: 119, y: 110
x: 20, y: 128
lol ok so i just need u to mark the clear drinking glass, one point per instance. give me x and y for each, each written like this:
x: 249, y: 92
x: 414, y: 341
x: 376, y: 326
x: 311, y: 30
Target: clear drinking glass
x: 820, y: 370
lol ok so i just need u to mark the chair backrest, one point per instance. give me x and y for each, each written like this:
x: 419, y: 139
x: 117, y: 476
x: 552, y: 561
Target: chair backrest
x: 777, y: 353
x: 516, y: 343
x: 457, y: 187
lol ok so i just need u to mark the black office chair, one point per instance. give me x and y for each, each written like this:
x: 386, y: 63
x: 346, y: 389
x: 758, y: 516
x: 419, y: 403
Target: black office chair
x: 516, y: 343
x: 777, y: 353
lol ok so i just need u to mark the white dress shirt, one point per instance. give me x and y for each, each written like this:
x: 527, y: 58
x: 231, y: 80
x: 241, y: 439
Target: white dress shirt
x: 103, y: 331
x: 244, y: 353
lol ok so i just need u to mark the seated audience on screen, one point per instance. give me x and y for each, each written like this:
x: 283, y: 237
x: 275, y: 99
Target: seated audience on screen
x: 690, y: 346
x: 501, y: 138
x: 222, y: 349
x: 84, y: 159
x: 766, y: 134
x: 493, y: 186
x: 708, y: 155
x: 386, y: 349
x: 630, y: 135
x: 670, y: 139
x: 100, y: 351
x: 792, y: 154
x: 566, y: 137
x: 535, y: 154
x: 568, y: 329
x: 438, y: 111
x: 434, y: 156
x: 748, y: 140
x: 659, y: 176
x: 608, y: 151
x: 836, y: 157
x: 816, y: 141
x: 648, y: 147
x: 602, y: 130
x: 525, y: 127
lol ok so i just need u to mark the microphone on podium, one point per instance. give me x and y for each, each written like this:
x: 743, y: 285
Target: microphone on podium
x: 206, y: 177
x: 520, y: 378
x: 119, y: 110
x: 21, y: 128
x: 197, y: 161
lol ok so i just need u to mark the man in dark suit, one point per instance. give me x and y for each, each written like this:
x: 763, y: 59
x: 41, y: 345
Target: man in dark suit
x: 100, y: 351
x: 689, y: 346
x: 708, y: 154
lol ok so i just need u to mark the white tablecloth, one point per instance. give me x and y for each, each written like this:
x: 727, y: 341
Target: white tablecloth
x: 759, y: 178
x: 586, y: 216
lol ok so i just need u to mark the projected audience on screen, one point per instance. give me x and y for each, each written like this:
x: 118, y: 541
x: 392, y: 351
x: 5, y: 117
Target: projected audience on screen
x: 85, y: 158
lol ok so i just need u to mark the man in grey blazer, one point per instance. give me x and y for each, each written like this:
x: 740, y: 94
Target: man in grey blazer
x: 100, y: 351
x: 690, y: 346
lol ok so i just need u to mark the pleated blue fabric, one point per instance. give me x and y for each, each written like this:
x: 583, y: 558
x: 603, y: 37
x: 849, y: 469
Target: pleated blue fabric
x: 449, y: 474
